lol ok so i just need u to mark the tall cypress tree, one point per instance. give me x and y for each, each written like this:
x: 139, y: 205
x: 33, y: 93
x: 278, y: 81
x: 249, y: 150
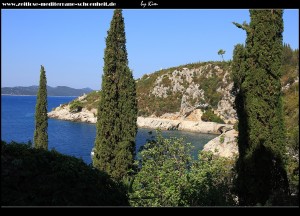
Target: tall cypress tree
x: 239, y: 68
x: 261, y: 175
x: 41, y: 118
x: 125, y: 150
x: 117, y: 111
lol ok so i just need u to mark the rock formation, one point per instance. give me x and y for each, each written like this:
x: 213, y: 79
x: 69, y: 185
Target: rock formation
x: 224, y: 145
x: 63, y: 113
x: 200, y: 86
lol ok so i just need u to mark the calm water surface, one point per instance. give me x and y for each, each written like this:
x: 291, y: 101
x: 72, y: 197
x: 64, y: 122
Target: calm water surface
x: 71, y: 138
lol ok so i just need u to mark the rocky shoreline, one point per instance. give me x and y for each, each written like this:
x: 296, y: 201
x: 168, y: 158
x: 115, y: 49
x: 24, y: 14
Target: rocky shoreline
x: 184, y: 125
x: 224, y: 145
x: 63, y: 113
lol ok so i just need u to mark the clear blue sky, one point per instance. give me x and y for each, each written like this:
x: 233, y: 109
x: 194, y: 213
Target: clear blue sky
x: 70, y: 43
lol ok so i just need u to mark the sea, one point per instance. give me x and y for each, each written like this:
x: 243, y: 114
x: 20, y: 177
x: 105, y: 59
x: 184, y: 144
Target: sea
x: 71, y: 138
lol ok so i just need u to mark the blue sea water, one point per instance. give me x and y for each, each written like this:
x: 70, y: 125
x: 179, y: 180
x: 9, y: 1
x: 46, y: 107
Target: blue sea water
x: 71, y: 138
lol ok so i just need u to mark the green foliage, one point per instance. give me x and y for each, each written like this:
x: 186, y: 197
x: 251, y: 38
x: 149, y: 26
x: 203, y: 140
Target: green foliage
x: 235, y: 126
x: 117, y: 110
x: 221, y: 52
x: 290, y: 56
x: 41, y: 118
x: 211, y: 181
x: 162, y: 177
x: 76, y: 106
x: 149, y: 104
x: 166, y: 81
x: 169, y: 177
x: 92, y: 100
x: 291, y: 107
x: 290, y: 65
x: 210, y: 116
x: 291, y: 111
x: 37, y: 177
x: 262, y: 178
x: 238, y: 66
x: 290, y: 71
x: 222, y: 138
x: 292, y: 165
x: 210, y: 86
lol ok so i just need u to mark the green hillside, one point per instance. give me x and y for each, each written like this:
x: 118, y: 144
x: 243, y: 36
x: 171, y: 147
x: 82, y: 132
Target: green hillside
x: 199, y: 84
x: 203, y: 85
x: 206, y: 76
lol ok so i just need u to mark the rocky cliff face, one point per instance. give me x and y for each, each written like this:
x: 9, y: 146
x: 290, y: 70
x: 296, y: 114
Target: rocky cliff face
x: 186, y: 88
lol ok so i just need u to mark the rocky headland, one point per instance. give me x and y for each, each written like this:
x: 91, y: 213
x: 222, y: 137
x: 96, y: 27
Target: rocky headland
x: 191, y: 123
x: 224, y: 145
x: 174, y: 99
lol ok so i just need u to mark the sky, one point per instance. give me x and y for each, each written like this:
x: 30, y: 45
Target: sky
x: 70, y: 43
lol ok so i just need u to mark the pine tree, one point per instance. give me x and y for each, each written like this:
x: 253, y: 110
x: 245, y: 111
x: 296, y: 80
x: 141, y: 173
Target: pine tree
x: 221, y: 52
x: 117, y: 111
x: 41, y: 118
x: 261, y: 175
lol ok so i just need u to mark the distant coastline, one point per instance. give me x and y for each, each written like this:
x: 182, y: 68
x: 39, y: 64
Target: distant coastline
x: 35, y: 95
x: 51, y: 91
x: 15, y: 95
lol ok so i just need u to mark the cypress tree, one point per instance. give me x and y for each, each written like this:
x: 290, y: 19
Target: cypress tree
x: 125, y: 150
x: 239, y: 68
x: 41, y: 118
x: 261, y: 178
x: 117, y: 110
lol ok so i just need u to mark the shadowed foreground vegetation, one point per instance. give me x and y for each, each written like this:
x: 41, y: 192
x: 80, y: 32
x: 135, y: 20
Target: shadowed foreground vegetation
x: 36, y: 177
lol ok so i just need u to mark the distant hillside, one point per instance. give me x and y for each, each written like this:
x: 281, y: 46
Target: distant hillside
x: 52, y: 91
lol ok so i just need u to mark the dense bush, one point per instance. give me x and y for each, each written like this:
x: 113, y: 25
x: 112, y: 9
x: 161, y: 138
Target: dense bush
x: 209, y: 116
x: 169, y: 177
x: 76, y: 106
x: 211, y: 181
x: 35, y: 177
x: 163, y: 173
x: 210, y: 86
